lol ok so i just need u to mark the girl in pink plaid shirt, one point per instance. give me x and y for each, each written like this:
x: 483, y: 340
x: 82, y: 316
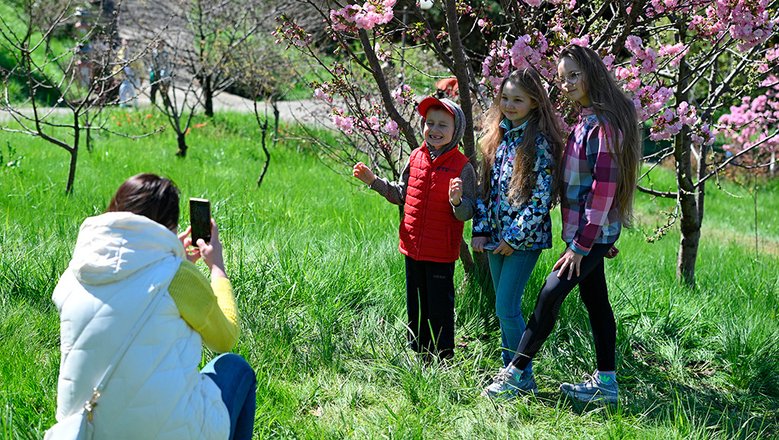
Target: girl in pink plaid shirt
x: 600, y: 165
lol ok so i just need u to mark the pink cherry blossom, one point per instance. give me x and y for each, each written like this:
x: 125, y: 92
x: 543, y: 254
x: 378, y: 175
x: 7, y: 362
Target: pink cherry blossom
x: 754, y: 120
x: 583, y: 41
x: 402, y: 94
x: 608, y: 60
x: 343, y: 123
x: 321, y: 94
x: 391, y: 128
x: 675, y: 52
x: 366, y: 16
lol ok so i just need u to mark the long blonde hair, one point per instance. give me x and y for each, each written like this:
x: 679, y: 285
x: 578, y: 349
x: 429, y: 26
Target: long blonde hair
x: 541, y: 119
x: 611, y: 105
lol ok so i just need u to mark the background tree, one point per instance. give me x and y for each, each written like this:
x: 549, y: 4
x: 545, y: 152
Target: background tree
x: 219, y: 29
x: 83, y: 76
x: 261, y: 70
x: 200, y: 40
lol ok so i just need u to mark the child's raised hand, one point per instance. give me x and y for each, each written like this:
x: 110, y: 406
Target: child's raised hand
x: 362, y: 172
x: 455, y: 191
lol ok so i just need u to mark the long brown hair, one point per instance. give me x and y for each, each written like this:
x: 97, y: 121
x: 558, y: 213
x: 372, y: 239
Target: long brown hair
x: 611, y: 105
x: 151, y: 196
x: 541, y: 119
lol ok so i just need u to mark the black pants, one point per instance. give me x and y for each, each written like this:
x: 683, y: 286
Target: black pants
x: 595, y: 296
x: 430, y: 304
x: 153, y: 94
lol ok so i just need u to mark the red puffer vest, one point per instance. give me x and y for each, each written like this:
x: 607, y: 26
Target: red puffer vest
x: 429, y: 230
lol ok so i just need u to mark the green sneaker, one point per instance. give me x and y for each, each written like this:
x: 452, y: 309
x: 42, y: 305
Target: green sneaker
x: 509, y: 383
x: 594, y: 389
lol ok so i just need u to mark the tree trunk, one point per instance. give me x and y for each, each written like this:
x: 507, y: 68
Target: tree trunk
x: 466, y: 258
x: 88, y: 137
x: 691, y: 234
x: 463, y: 80
x: 72, y: 170
x: 73, y: 154
x: 479, y: 266
x: 688, y: 203
x: 182, y: 141
x: 264, y: 137
x: 208, y: 96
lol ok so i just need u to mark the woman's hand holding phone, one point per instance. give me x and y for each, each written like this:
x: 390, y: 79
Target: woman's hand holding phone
x: 212, y: 252
x: 192, y: 252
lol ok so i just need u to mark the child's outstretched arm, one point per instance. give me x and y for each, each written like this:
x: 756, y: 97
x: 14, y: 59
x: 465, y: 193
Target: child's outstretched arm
x: 462, y: 193
x: 394, y: 192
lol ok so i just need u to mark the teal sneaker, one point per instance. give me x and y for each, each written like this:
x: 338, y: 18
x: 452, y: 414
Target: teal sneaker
x: 594, y: 389
x: 509, y: 383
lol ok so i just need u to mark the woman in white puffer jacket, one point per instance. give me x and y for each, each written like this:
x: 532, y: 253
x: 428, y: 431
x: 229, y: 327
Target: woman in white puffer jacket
x: 122, y: 260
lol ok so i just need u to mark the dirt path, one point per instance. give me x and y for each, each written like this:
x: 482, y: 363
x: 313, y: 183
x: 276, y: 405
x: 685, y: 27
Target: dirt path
x: 308, y: 111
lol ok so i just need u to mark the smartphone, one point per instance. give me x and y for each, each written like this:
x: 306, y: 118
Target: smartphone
x: 200, y: 219
x: 491, y: 246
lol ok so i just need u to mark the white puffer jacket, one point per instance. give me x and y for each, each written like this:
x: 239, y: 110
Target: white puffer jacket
x: 156, y: 391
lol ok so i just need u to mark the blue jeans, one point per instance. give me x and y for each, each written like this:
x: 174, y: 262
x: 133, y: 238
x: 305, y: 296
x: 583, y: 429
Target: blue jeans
x: 233, y: 375
x: 509, y: 276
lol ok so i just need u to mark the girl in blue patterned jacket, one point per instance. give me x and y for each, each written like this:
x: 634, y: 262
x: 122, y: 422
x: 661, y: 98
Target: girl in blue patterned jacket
x: 521, y: 148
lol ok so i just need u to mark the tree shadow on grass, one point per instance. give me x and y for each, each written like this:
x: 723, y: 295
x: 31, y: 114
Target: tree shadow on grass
x: 647, y: 396
x: 736, y: 415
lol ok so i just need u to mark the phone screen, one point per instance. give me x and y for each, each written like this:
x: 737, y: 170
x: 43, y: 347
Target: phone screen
x: 200, y: 219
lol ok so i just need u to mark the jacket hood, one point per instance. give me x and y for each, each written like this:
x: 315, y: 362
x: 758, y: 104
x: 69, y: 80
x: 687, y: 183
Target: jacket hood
x: 112, y: 246
x: 459, y: 122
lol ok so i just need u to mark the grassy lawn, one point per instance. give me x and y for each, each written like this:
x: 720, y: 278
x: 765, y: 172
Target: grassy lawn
x: 319, y: 281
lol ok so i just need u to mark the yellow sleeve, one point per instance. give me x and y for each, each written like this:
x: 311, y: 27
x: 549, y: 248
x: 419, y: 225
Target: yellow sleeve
x: 209, y: 309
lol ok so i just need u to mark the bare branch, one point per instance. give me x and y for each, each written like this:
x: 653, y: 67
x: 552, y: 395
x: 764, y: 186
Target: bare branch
x: 386, y: 97
x: 664, y: 194
x: 732, y: 158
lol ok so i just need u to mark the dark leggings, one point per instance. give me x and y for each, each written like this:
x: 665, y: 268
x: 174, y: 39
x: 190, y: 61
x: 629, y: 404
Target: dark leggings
x: 594, y: 294
x: 430, y: 304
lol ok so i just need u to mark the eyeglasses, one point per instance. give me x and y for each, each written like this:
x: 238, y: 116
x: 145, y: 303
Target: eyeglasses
x: 572, y: 78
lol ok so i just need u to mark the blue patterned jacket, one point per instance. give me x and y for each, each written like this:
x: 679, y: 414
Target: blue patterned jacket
x: 527, y: 225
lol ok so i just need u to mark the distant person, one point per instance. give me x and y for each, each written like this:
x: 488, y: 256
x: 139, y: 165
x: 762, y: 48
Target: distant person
x: 521, y: 149
x: 128, y: 96
x: 600, y: 165
x: 447, y: 88
x: 159, y: 71
x: 134, y: 307
x: 84, y: 64
x: 436, y: 189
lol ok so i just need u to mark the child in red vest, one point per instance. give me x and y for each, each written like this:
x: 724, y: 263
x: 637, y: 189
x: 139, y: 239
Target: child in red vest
x: 437, y: 190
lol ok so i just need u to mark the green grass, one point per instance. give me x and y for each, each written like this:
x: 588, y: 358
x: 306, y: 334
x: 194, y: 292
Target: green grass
x: 314, y: 262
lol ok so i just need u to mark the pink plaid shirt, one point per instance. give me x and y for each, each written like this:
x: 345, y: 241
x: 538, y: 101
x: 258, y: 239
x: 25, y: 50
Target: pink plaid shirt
x: 590, y: 174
